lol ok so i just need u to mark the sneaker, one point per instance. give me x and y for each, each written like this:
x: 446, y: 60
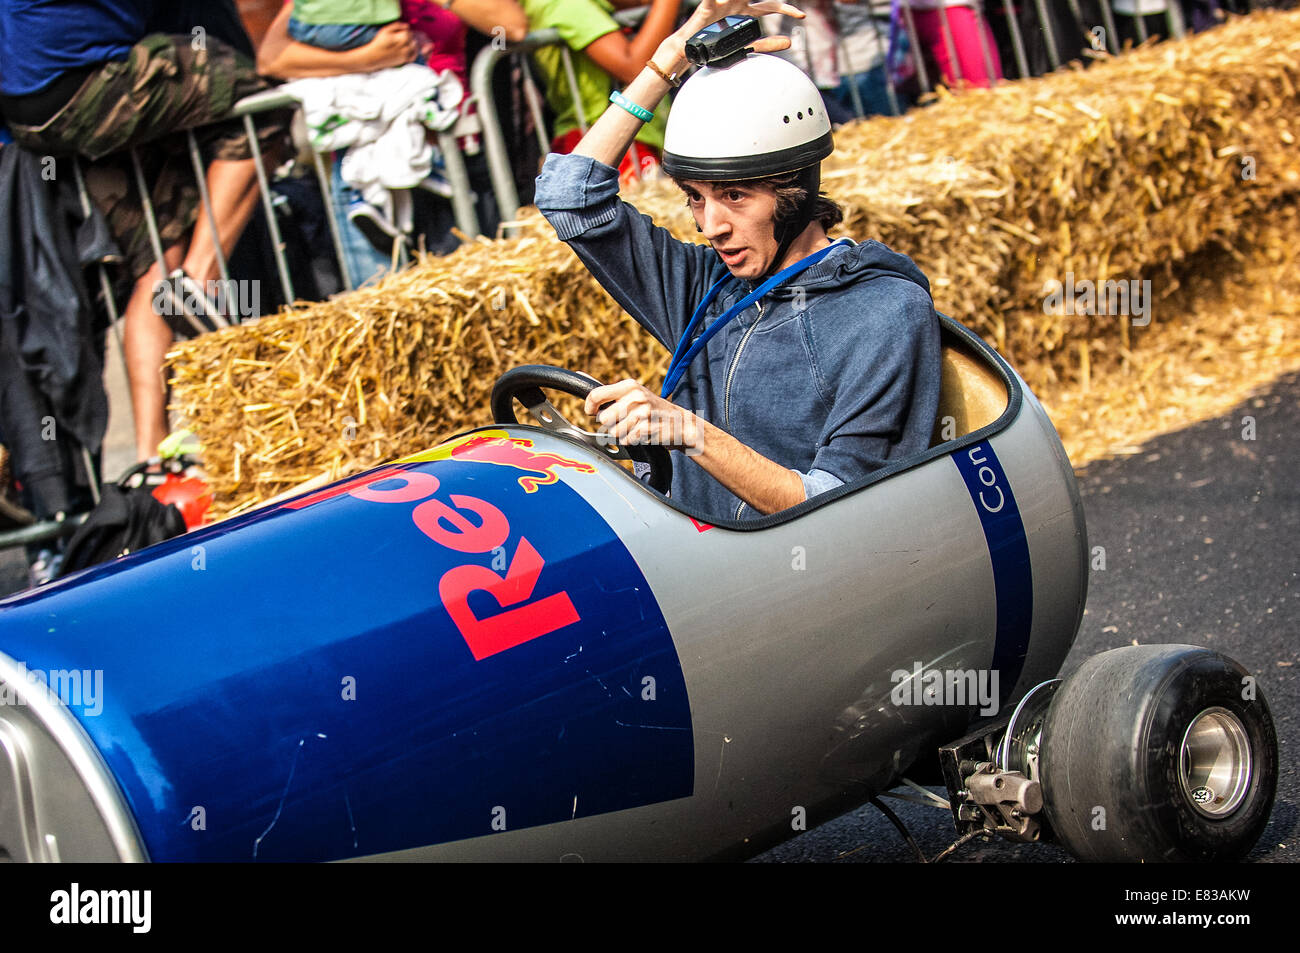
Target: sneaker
x: 371, y: 223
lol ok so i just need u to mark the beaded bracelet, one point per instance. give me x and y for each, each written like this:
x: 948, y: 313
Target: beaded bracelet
x: 640, y: 112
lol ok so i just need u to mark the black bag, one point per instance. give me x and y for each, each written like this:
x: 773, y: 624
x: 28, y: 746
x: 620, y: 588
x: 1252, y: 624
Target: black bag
x: 125, y: 520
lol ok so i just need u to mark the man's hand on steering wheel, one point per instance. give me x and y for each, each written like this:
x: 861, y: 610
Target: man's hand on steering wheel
x: 631, y: 414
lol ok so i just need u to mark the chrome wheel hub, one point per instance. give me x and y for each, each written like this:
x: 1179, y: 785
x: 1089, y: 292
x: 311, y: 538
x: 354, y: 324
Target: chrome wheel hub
x: 1214, y: 763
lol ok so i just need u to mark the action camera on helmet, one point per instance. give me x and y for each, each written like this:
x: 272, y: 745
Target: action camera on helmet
x: 723, y: 43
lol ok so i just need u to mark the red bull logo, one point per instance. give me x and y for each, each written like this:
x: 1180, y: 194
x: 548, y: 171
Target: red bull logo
x: 496, y: 446
x: 444, y: 522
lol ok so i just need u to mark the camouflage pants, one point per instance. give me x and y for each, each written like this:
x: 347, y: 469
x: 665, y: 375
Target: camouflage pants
x: 164, y: 87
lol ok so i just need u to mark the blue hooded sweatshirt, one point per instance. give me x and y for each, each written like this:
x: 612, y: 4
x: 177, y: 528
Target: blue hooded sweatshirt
x: 833, y: 375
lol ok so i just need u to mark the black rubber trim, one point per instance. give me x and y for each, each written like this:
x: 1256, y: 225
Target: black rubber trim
x: 731, y: 169
x: 526, y: 379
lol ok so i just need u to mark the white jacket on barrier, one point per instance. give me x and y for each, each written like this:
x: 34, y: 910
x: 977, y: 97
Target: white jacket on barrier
x: 381, y: 118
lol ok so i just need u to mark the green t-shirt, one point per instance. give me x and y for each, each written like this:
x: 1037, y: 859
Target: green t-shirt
x: 362, y: 12
x: 581, y: 23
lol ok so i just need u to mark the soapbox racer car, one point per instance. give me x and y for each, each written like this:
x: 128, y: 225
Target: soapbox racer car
x: 509, y: 647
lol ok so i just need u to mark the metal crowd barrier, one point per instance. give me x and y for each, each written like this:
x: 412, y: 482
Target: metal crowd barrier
x: 247, y: 108
x: 1092, y: 23
x: 480, y: 84
x: 494, y: 140
x: 1048, y: 18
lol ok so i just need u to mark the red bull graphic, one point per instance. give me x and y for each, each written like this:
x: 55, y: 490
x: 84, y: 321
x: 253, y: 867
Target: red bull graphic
x: 523, y: 618
x: 496, y: 446
x: 416, y: 655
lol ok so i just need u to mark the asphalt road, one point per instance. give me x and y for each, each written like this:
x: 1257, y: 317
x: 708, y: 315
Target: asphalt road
x: 1200, y: 531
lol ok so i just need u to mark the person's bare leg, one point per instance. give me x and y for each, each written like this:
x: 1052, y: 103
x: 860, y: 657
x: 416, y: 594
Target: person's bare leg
x: 232, y: 185
x: 146, y: 338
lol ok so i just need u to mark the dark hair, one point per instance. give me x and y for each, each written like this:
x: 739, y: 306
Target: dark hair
x: 789, y: 196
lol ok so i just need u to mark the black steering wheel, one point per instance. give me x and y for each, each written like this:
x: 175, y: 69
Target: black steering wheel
x: 524, y: 385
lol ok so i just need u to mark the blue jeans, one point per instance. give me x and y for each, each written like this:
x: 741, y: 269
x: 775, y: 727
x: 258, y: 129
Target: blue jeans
x: 363, y: 260
x: 333, y: 36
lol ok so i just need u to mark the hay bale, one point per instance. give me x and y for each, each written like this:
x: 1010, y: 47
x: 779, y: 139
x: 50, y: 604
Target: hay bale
x: 1126, y: 170
x: 1237, y: 328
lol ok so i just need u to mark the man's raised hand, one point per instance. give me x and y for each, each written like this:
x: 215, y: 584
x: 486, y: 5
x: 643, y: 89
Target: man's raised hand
x: 711, y: 11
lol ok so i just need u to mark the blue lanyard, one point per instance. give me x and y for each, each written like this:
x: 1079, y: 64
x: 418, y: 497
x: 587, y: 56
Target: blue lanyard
x: 687, y: 352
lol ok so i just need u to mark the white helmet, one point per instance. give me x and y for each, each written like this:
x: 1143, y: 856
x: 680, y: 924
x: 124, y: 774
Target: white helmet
x: 758, y: 117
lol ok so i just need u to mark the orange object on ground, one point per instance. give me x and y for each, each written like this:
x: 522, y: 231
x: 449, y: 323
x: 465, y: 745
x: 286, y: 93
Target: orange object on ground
x: 191, y: 495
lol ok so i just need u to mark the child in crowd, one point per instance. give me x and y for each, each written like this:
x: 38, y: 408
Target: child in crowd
x: 340, y: 24
x: 345, y: 25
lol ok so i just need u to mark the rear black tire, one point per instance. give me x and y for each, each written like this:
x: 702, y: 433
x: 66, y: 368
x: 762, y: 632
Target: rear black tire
x: 1114, y: 784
